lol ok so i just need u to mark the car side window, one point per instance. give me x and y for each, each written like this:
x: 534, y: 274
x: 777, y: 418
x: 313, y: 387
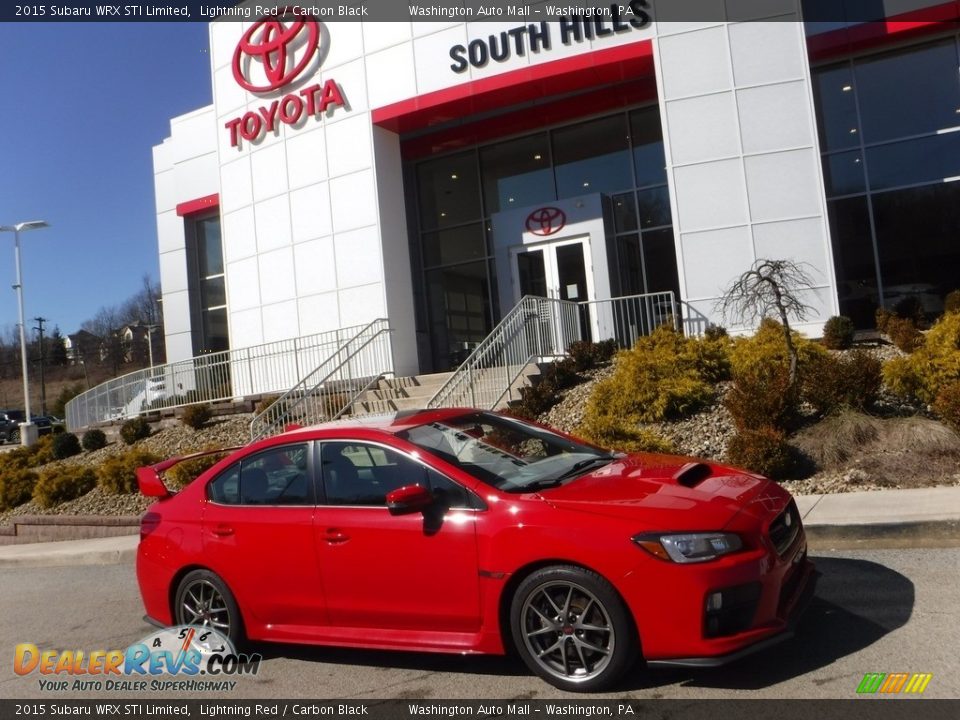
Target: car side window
x: 277, y: 476
x: 356, y: 473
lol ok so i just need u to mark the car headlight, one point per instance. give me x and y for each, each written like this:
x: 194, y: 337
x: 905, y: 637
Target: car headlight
x: 689, y: 547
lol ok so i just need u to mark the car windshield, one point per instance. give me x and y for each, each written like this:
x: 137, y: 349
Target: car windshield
x: 505, y: 452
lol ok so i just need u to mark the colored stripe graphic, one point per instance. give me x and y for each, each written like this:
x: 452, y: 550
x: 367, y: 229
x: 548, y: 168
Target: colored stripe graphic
x: 892, y: 683
x: 870, y: 683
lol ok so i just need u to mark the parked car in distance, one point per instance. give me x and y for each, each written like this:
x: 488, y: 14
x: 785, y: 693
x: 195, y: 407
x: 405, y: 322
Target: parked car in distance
x: 466, y: 531
x: 10, y: 421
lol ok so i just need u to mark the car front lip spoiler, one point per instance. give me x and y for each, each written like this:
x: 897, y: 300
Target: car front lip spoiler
x: 152, y: 621
x: 800, y: 607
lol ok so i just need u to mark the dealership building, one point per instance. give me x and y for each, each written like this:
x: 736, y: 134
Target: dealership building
x: 433, y: 173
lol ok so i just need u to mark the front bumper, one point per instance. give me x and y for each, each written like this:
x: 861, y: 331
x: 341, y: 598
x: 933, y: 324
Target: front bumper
x: 806, y: 591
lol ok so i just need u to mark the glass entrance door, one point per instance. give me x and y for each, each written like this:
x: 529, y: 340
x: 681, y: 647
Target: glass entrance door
x: 553, y: 270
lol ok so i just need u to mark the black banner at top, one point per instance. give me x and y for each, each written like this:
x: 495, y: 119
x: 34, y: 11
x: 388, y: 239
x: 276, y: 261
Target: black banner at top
x: 830, y: 12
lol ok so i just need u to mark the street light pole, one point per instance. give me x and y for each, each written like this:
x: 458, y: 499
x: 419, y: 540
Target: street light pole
x: 28, y: 431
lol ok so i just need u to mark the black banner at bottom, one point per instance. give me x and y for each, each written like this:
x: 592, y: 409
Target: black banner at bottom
x: 874, y: 708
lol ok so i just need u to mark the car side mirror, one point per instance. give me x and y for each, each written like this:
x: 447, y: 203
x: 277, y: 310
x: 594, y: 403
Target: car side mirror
x: 409, y: 499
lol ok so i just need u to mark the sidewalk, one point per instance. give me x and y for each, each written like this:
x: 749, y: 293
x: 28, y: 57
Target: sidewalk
x: 859, y: 515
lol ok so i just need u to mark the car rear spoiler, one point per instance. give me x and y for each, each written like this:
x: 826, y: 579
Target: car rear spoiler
x: 152, y: 485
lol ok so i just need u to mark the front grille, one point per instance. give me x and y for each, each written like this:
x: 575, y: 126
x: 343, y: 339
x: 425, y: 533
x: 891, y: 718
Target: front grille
x: 784, y: 529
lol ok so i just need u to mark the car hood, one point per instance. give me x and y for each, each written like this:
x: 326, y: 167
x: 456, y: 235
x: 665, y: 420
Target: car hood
x: 666, y: 492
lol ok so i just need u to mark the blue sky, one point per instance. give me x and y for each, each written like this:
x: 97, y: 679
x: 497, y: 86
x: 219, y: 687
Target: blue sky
x: 83, y: 105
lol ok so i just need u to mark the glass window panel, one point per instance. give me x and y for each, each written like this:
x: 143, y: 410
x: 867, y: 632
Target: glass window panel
x: 624, y: 213
x: 654, y: 206
x: 459, y: 309
x: 917, y: 243
x: 532, y: 273
x: 360, y: 474
x: 455, y: 245
x: 914, y: 161
x: 843, y: 173
x: 209, y: 247
x: 629, y: 265
x: 517, y: 173
x: 909, y: 92
x: 449, y: 191
x: 592, y: 157
x: 647, y: 140
x: 853, y: 259
x: 213, y: 292
x: 225, y: 488
x: 215, y: 330
x: 836, y: 108
x: 276, y: 477
x: 660, y: 260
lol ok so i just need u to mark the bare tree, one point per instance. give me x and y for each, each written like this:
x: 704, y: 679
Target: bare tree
x: 770, y: 288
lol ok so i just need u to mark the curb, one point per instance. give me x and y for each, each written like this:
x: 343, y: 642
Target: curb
x: 920, y: 534
x: 58, y: 554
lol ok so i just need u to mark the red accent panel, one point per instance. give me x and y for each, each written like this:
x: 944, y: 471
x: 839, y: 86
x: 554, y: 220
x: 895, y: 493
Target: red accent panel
x: 573, y: 74
x: 865, y: 36
x: 534, y: 117
x: 192, y: 207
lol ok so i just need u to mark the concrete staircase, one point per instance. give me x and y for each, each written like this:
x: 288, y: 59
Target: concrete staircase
x: 412, y: 393
x: 403, y: 393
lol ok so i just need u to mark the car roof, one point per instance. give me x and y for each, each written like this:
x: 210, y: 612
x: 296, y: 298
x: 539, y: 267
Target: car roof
x: 391, y: 423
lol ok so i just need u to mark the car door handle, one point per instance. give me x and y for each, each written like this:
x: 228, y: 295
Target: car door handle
x: 222, y: 530
x: 336, y: 536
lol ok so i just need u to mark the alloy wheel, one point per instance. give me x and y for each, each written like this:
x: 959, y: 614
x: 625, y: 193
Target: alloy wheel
x: 201, y: 603
x: 567, y: 631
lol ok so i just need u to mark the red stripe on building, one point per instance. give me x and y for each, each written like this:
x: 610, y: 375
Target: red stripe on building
x: 867, y: 36
x: 577, y: 74
x: 199, y: 205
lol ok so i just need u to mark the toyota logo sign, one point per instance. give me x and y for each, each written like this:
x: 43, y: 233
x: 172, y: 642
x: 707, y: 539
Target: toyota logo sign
x: 274, y: 42
x: 546, y: 221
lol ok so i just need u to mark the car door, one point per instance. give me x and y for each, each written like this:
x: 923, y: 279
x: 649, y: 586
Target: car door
x: 258, y: 536
x: 398, y: 572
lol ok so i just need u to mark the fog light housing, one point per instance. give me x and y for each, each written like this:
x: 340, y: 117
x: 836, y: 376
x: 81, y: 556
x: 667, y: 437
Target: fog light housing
x: 730, y: 610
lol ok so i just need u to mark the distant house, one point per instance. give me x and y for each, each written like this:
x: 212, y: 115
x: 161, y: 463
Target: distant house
x: 82, y: 345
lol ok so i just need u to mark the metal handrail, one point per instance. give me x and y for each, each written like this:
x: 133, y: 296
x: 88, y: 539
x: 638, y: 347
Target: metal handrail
x: 319, y: 397
x: 539, y: 328
x: 266, y: 368
x: 535, y: 328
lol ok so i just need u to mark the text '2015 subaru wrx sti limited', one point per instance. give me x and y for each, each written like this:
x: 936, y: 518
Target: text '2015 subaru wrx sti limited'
x: 465, y: 531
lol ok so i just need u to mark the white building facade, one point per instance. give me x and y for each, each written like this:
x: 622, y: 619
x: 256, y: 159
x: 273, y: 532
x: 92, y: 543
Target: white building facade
x: 433, y: 173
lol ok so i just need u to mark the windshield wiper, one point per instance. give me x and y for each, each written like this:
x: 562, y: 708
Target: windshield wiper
x: 575, y: 469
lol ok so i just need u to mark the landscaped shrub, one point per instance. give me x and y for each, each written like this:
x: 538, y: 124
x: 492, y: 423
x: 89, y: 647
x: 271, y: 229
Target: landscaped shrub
x: 64, y: 482
x: 618, y: 436
x: 196, y: 416
x: 947, y: 404
x: 763, y: 450
x: 715, y: 332
x: 664, y: 376
x: 265, y: 402
x: 882, y: 317
x: 951, y: 303
x: 910, y: 308
x: 118, y: 474
x: 65, y: 445
x: 587, y: 355
x: 42, y: 451
x: 761, y: 396
x: 934, y: 365
x: 94, y: 440
x: 834, y: 382
x: 838, y: 332
x: 16, y: 487
x: 538, y: 398
x: 903, y: 333
x: 133, y: 430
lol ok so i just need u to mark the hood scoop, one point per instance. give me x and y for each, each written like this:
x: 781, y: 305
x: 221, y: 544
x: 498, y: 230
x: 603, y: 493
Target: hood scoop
x: 692, y: 474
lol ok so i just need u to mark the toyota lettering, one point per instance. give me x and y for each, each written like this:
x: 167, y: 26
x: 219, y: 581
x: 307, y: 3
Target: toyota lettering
x: 275, y: 52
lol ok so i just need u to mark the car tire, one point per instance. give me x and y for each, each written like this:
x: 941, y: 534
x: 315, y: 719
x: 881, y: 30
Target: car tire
x: 203, y: 599
x: 572, y: 629
x: 14, y: 436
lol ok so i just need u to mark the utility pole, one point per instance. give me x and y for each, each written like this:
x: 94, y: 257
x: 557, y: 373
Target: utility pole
x: 43, y: 384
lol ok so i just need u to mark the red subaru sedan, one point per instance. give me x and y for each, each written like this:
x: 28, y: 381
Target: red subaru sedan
x: 465, y: 531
